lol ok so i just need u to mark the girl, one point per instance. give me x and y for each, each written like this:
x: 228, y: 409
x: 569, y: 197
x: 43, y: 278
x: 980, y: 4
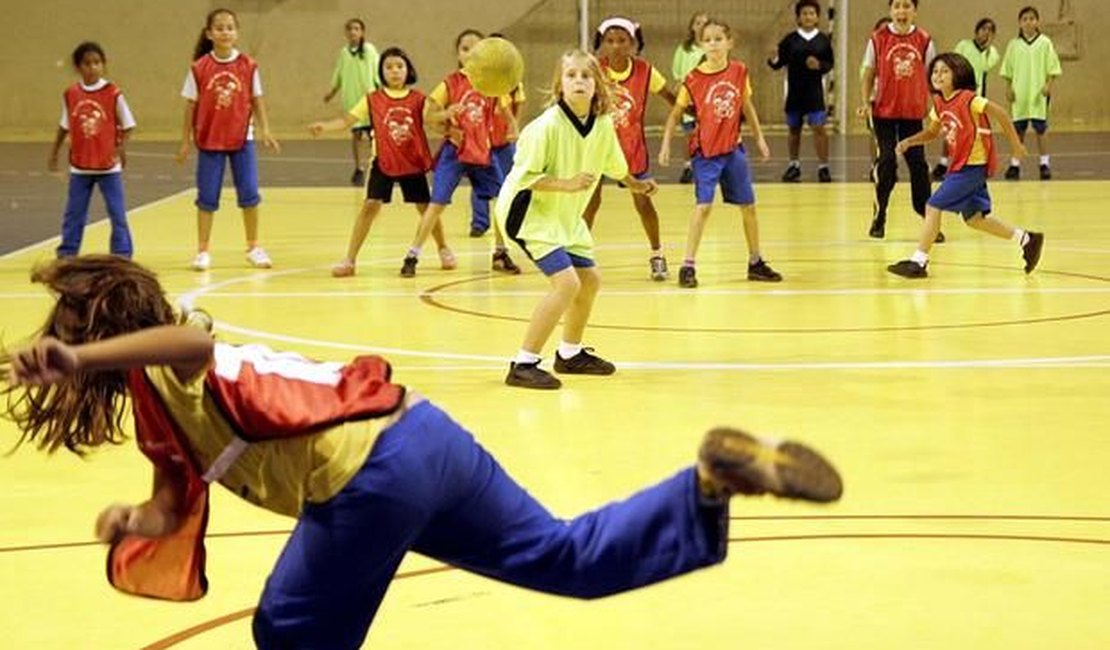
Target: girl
x: 222, y: 92
x: 1030, y: 68
x: 98, y: 122
x: 720, y: 91
x: 982, y: 56
x: 369, y: 469
x: 560, y: 158
x: 964, y: 118
x: 466, y: 117
x: 687, y: 56
x: 395, y: 113
x: 355, y: 75
x: 894, y: 65
x: 632, y: 79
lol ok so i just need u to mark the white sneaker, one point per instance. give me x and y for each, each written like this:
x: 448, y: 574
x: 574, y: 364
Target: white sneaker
x: 202, y: 262
x: 258, y: 258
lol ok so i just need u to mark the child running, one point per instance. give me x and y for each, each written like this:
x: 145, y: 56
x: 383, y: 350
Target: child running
x: 369, y: 469
x: 1030, y: 68
x: 560, y: 158
x: 983, y: 57
x: 98, y: 122
x: 223, y: 96
x: 355, y: 75
x: 395, y: 113
x: 720, y: 92
x: 964, y: 118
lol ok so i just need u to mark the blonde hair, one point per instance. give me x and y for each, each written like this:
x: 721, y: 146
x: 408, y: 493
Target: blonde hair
x: 602, y: 101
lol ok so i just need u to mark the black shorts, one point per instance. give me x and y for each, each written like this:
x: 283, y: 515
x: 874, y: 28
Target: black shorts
x: 414, y: 189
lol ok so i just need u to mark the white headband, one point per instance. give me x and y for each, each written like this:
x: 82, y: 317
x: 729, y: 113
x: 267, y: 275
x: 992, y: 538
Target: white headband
x: 622, y: 23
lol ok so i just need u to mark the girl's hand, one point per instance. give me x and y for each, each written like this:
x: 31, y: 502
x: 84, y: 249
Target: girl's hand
x: 270, y: 143
x: 901, y: 147
x: 316, y: 128
x: 580, y: 182
x: 647, y: 188
x: 115, y: 521
x: 665, y: 154
x: 1046, y: 91
x: 46, y: 361
x: 864, y: 111
x: 52, y: 163
x: 182, y: 153
x: 813, y: 63
x: 764, y: 150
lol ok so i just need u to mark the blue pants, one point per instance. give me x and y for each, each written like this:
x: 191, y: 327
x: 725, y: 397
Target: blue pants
x: 210, y: 177
x: 429, y: 487
x: 77, y: 213
x: 502, y: 158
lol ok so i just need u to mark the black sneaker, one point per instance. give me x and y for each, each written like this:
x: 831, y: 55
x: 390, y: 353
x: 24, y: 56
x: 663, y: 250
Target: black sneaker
x: 939, y: 172
x: 823, y: 175
x: 738, y: 463
x: 793, y: 174
x: 761, y: 272
x: 530, y: 375
x: 1013, y: 173
x: 408, y: 267
x: 687, y: 176
x: 658, y: 268
x: 1031, y: 250
x: 358, y: 178
x: 1046, y: 173
x: 878, y: 228
x: 908, y: 269
x: 502, y: 262
x: 475, y: 231
x: 583, y: 363
x: 940, y: 238
x: 687, y: 277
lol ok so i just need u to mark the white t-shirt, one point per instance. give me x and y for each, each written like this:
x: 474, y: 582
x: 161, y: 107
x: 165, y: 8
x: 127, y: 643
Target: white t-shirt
x: 124, y: 119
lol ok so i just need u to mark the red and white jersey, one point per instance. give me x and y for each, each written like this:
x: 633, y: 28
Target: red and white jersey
x: 630, y: 97
x: 901, y: 86
x: 398, y: 124
x: 472, y: 126
x: 718, y: 100
x: 224, y: 93
x: 93, y: 126
x: 961, y: 130
x: 499, y: 128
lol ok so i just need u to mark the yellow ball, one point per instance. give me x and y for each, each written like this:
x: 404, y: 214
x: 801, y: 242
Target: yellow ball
x: 494, y: 67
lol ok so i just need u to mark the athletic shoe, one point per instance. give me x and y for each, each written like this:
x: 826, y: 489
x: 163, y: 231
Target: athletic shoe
x: 1046, y: 173
x: 939, y: 172
x: 202, y: 262
x: 476, y: 231
x: 447, y: 259
x: 687, y: 176
x: 823, y: 175
x: 502, y: 262
x: 530, y: 375
x: 908, y: 269
x: 793, y: 174
x: 408, y: 267
x: 658, y: 268
x: 762, y: 272
x: 583, y: 363
x: 358, y: 178
x: 1013, y: 173
x: 878, y: 228
x: 258, y: 258
x: 735, y: 462
x: 687, y: 277
x: 1031, y: 250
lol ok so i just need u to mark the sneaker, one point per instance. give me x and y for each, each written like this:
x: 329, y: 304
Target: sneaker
x: 502, y: 262
x: 878, y: 228
x: 687, y: 277
x: 1046, y: 173
x: 258, y: 258
x: 1013, y: 173
x: 940, y: 238
x: 343, y: 269
x: 793, y: 174
x: 530, y: 375
x: 583, y: 363
x: 1031, y: 250
x: 447, y: 259
x: 658, y: 268
x: 738, y: 463
x: 762, y: 272
x: 408, y: 267
x: 476, y: 231
x: 823, y: 175
x: 358, y: 178
x: 202, y: 262
x: 908, y: 269
x: 939, y: 172
x: 687, y: 176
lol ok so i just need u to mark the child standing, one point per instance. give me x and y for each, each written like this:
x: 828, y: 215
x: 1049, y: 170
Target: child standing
x: 964, y: 118
x: 720, y: 92
x: 223, y: 92
x: 1030, y: 68
x: 369, y: 469
x: 687, y: 56
x: 560, y: 158
x: 98, y: 122
x: 633, y: 79
x: 355, y: 76
x: 807, y: 55
x: 982, y: 56
x: 395, y: 114
x: 894, y: 64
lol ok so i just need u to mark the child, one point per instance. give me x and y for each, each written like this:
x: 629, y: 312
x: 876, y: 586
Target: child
x: 894, y: 64
x: 632, y: 80
x: 1030, y: 68
x: 687, y: 56
x: 395, y: 113
x: 807, y: 55
x: 466, y: 115
x: 982, y: 56
x: 98, y: 122
x: 560, y: 157
x: 222, y: 92
x: 964, y: 118
x: 720, y: 91
x: 356, y: 76
x: 368, y: 469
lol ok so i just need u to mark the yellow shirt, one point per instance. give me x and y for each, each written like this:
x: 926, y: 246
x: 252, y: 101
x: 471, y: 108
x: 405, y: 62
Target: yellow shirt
x: 658, y: 81
x: 978, y: 150
x: 361, y: 110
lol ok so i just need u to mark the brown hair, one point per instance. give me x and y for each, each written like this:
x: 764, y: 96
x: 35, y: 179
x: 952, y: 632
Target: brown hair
x: 603, y: 100
x: 98, y: 297
x: 204, y: 44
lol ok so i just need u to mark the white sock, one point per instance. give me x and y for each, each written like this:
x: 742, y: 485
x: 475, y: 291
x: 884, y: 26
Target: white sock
x: 795, y: 163
x: 944, y: 160
x: 1044, y: 160
x: 754, y: 257
x: 568, y: 350
x: 1015, y: 162
x: 1019, y: 236
x: 414, y: 251
x: 920, y: 257
x: 823, y: 166
x: 524, y: 356
x: 657, y: 252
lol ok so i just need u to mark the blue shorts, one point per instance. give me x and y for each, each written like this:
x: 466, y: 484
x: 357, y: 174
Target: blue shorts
x: 210, y: 177
x: 484, y: 181
x: 813, y: 118
x: 560, y: 259
x: 730, y: 171
x: 1040, y: 126
x: 503, y: 157
x: 964, y: 191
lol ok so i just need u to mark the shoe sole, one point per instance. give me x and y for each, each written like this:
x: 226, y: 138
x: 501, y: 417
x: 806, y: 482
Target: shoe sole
x: 1032, y: 264
x: 509, y: 381
x: 785, y: 469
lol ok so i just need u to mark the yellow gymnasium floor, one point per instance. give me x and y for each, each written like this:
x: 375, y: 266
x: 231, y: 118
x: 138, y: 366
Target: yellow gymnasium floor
x: 968, y: 414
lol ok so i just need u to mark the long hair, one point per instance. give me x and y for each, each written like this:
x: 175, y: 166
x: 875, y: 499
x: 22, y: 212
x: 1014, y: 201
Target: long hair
x: 963, y: 75
x: 97, y: 297
x: 603, y: 99
x: 692, y: 37
x: 362, y: 39
x: 204, y: 44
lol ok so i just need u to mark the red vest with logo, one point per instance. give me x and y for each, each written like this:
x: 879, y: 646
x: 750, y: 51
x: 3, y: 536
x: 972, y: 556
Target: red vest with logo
x: 718, y: 105
x: 961, y: 130
x: 402, y: 146
x: 901, y: 86
x: 470, y: 129
x: 499, y: 128
x: 629, y: 103
x: 224, y: 94
x: 93, y: 126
